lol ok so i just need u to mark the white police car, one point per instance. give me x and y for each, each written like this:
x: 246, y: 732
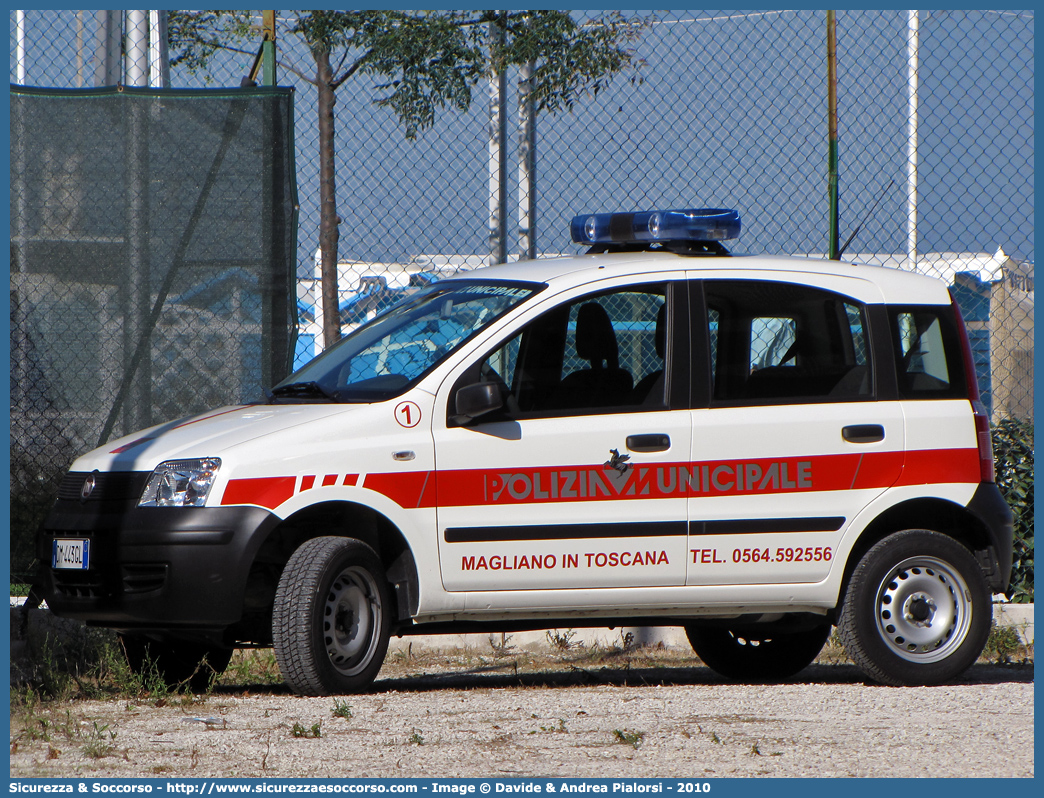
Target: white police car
x: 653, y: 433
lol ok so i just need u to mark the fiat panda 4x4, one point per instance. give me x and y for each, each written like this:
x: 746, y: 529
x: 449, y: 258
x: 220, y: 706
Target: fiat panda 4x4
x: 652, y: 433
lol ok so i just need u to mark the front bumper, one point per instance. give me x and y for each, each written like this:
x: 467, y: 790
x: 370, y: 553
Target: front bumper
x: 151, y: 568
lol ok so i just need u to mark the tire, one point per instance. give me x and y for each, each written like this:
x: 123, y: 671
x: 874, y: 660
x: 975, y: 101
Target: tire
x: 331, y: 619
x: 178, y: 663
x: 917, y: 610
x: 757, y: 655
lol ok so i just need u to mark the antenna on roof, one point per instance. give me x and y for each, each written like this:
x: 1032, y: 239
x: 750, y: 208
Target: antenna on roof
x: 859, y: 226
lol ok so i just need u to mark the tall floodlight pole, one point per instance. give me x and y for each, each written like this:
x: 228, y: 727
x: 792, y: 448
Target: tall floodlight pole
x: 159, y: 54
x: 18, y: 156
x: 497, y: 140
x: 832, y: 132
x: 136, y: 289
x: 137, y: 48
x: 20, y: 51
x: 913, y: 64
x: 526, y: 163
x: 20, y: 233
x: 79, y: 50
x: 107, y: 69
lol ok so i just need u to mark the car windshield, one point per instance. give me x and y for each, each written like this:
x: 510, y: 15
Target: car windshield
x: 387, y: 355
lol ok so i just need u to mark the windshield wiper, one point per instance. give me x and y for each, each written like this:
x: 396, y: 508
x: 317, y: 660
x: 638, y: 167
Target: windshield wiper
x: 300, y: 390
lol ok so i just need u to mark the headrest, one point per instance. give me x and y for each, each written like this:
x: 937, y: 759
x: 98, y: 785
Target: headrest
x: 595, y: 338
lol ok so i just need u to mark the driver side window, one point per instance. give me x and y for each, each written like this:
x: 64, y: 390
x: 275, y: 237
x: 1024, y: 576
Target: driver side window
x: 600, y: 353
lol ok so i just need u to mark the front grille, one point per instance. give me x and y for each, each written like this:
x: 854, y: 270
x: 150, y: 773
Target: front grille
x: 80, y: 584
x: 109, y: 486
x: 101, y: 582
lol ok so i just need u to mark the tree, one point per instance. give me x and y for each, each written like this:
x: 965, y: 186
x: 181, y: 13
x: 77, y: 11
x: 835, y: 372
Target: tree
x: 428, y: 61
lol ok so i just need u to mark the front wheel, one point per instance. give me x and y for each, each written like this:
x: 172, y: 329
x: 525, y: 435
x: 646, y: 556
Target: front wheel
x: 917, y: 610
x: 330, y: 622
x: 765, y: 655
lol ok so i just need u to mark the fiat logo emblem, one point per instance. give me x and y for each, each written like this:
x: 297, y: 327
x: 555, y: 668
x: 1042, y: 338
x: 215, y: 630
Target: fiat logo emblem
x: 89, y: 485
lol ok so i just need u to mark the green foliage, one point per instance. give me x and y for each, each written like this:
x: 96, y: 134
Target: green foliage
x: 314, y: 732
x: 571, y: 60
x: 631, y: 738
x: 422, y: 62
x: 93, y: 665
x: 252, y: 666
x: 195, y: 36
x: 562, y: 641
x: 559, y: 729
x: 101, y: 741
x: 34, y: 485
x: 426, y: 61
x: 33, y: 719
x: 1013, y: 453
x: 342, y: 709
x: 27, y: 513
x: 1003, y: 644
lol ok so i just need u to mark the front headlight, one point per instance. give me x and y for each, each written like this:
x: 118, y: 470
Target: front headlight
x: 181, y: 483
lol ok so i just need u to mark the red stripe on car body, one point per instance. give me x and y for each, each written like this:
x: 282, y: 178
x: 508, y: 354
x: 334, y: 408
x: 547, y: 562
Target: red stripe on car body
x: 564, y: 484
x: 267, y: 492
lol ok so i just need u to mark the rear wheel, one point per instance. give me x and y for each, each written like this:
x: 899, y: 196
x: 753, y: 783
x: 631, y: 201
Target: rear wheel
x: 917, y: 610
x: 176, y: 662
x: 757, y: 655
x: 331, y: 619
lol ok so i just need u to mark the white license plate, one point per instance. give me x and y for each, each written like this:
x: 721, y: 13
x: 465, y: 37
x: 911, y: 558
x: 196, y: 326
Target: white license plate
x: 73, y: 554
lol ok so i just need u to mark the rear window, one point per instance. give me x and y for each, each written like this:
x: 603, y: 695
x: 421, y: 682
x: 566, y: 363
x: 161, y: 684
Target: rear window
x: 927, y: 353
x: 775, y: 342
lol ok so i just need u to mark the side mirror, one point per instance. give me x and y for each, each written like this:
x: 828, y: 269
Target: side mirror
x: 477, y: 400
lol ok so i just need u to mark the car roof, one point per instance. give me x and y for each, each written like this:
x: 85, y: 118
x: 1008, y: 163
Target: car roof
x: 890, y: 285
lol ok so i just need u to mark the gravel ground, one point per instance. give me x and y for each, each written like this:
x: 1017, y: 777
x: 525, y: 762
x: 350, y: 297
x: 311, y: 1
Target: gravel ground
x: 455, y: 714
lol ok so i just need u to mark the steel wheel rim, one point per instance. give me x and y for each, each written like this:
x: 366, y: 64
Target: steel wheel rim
x: 923, y: 610
x: 352, y: 619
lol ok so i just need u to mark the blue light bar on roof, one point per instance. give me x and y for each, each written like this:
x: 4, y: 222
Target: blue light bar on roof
x: 690, y: 224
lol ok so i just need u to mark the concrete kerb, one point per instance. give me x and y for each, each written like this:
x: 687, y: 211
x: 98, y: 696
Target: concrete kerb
x: 1018, y: 615
x: 68, y: 640
x: 1004, y: 614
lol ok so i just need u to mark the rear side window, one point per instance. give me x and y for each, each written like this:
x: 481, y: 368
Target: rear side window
x: 927, y: 353
x: 773, y: 343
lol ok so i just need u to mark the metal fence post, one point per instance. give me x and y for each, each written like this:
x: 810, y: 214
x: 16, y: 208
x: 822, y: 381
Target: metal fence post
x: 268, y: 48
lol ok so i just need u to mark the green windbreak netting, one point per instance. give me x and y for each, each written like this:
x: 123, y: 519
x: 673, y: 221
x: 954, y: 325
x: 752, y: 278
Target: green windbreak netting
x: 152, y: 266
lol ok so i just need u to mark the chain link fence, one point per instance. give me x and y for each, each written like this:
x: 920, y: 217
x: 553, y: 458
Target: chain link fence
x: 936, y: 145
x: 152, y: 268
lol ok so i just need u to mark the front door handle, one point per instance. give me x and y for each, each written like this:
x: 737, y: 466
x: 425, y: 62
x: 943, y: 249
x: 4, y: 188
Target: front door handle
x: 863, y: 433
x: 649, y: 443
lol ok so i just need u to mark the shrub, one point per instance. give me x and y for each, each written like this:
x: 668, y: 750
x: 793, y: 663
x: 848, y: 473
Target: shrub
x: 1013, y: 452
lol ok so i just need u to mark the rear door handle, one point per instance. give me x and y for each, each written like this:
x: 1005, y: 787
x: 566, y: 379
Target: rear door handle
x: 649, y: 443
x: 863, y: 433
